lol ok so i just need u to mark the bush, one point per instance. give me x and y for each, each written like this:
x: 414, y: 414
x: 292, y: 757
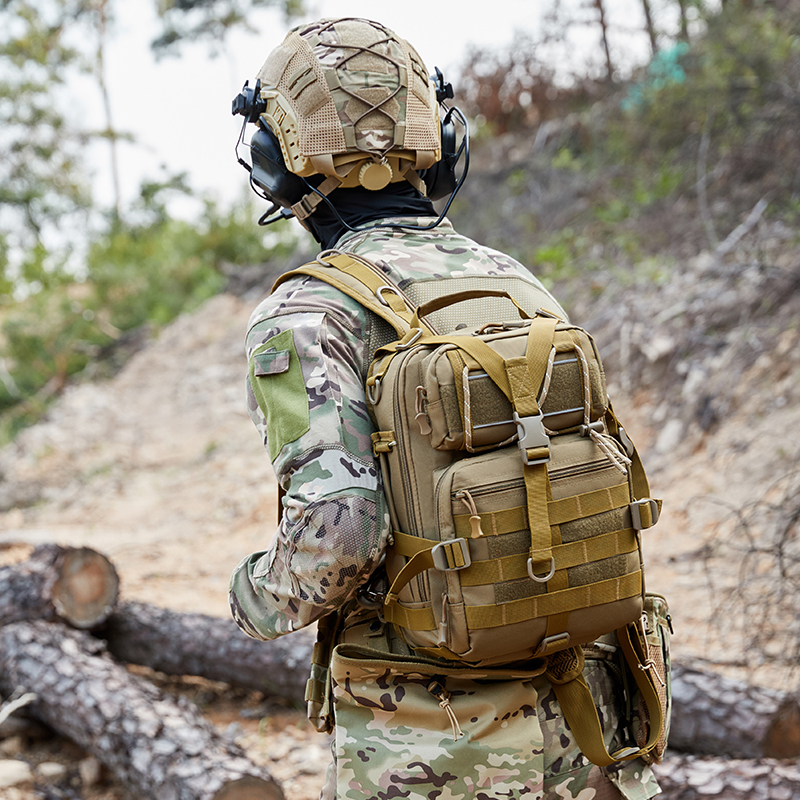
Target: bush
x: 138, y: 274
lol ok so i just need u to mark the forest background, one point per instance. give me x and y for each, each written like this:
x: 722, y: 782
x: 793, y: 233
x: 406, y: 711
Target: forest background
x: 647, y: 168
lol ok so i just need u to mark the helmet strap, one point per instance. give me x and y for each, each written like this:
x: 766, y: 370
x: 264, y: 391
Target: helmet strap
x: 307, y: 204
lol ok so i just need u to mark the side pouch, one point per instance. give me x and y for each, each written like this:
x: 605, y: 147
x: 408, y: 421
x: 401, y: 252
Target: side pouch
x: 318, y: 686
x: 658, y: 627
x: 645, y: 647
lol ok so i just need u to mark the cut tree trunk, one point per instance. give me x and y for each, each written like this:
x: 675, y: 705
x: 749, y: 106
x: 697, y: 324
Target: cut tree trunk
x: 158, y: 747
x: 711, y: 714
x: 77, y: 585
x: 693, y: 778
x: 211, y: 647
x: 715, y: 715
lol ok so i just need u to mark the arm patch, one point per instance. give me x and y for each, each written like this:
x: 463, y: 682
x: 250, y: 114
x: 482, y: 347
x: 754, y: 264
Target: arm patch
x: 276, y: 377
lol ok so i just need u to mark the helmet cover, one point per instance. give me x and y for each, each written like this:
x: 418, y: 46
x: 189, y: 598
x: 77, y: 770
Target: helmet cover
x: 349, y: 99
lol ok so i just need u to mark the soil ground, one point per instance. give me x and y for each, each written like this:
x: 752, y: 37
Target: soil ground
x: 161, y: 469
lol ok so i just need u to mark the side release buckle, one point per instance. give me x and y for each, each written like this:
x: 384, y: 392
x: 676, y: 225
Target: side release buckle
x: 534, y: 443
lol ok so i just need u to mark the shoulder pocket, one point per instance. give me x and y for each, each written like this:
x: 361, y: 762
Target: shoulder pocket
x: 276, y: 378
x: 271, y: 362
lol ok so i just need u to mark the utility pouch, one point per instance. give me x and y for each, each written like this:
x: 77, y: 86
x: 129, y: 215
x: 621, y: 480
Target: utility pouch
x: 657, y: 625
x: 645, y: 648
x: 464, y: 409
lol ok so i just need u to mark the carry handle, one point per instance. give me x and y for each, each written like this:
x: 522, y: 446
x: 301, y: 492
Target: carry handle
x: 438, y: 303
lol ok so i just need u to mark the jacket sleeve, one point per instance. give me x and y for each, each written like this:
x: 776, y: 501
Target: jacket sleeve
x: 306, y: 396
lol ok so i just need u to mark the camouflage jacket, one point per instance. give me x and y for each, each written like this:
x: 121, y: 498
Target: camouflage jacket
x: 313, y: 420
x: 309, y: 347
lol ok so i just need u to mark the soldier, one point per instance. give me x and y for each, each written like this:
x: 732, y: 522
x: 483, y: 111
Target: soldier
x: 351, y: 142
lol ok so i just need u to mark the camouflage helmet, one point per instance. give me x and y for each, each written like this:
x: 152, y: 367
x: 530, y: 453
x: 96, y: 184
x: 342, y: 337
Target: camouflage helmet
x: 350, y: 100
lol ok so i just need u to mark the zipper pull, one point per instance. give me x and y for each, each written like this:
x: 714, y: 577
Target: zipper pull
x: 439, y: 692
x: 474, y: 520
x: 421, y: 417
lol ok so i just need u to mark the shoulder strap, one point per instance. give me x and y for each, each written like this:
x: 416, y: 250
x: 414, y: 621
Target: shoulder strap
x: 364, y: 283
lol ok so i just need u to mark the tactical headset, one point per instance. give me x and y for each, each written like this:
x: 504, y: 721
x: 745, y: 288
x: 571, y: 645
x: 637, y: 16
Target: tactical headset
x: 271, y: 180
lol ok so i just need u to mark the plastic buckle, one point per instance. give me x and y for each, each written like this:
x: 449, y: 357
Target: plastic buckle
x: 596, y: 426
x: 532, y: 436
x: 443, y: 555
x: 636, y: 513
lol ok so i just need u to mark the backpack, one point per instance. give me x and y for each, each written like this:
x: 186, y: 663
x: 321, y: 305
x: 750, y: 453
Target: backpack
x: 516, y: 499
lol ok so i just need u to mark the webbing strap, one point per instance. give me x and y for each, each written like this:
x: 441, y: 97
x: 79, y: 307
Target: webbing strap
x: 512, y: 567
x: 543, y: 605
x: 580, y: 711
x: 407, y: 545
x: 452, y: 554
x: 566, y: 555
x: 525, y: 375
x: 526, y: 608
x: 567, y: 509
x: 373, y: 281
x: 639, y: 484
x: 490, y: 360
x: 390, y: 306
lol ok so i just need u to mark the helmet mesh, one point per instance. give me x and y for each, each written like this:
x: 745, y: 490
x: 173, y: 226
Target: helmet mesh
x: 354, y: 86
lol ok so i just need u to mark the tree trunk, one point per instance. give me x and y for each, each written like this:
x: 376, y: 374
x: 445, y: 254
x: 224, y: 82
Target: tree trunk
x: 77, y: 585
x: 692, y: 778
x: 684, y: 20
x: 213, y: 648
x: 651, y: 31
x: 718, y: 716
x: 157, y: 747
x: 598, y: 4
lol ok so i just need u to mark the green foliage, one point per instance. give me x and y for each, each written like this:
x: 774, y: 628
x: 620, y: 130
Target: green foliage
x: 210, y: 20
x: 41, y: 183
x: 736, y: 85
x: 143, y: 273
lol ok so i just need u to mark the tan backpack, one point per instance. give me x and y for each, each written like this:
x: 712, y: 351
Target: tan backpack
x: 516, y: 499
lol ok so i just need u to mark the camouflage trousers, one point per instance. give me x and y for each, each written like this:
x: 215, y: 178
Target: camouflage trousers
x: 404, y: 730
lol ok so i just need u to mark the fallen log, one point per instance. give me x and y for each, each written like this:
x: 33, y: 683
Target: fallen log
x: 711, y: 714
x: 695, y: 778
x: 715, y: 715
x: 75, y: 584
x: 210, y: 647
x: 159, y: 747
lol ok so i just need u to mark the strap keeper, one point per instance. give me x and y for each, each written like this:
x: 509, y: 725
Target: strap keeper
x: 645, y: 513
x: 383, y: 442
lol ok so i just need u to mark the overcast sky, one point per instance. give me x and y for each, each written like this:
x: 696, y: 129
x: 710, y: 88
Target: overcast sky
x: 179, y: 108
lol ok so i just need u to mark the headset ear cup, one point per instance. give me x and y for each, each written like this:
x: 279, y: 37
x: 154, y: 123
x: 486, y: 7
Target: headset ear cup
x: 440, y: 179
x: 269, y: 171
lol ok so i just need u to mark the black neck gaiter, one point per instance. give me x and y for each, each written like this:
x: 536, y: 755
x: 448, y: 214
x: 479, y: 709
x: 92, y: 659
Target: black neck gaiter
x: 359, y: 206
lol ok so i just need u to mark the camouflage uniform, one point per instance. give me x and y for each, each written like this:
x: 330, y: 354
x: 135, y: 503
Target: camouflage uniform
x: 398, y: 717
